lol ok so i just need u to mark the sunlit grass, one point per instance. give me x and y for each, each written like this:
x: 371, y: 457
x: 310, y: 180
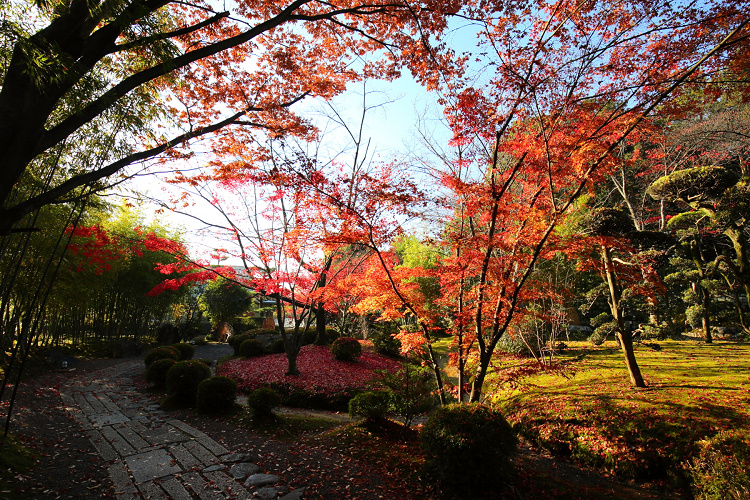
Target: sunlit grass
x: 694, y: 390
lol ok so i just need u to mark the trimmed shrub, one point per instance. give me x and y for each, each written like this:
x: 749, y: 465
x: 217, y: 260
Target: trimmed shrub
x: 262, y: 401
x: 373, y: 405
x: 331, y: 334
x: 251, y: 348
x: 187, y: 351
x: 469, y: 446
x: 386, y: 344
x: 216, y: 394
x: 162, y: 353
x: 206, y: 361
x: 722, y: 468
x: 310, y: 335
x: 156, y: 372
x: 183, y: 379
x: 346, y: 349
x: 276, y: 347
x: 236, y: 341
x: 522, y: 344
x: 411, y: 389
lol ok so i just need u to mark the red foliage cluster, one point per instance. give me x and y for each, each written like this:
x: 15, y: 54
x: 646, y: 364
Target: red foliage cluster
x: 96, y: 247
x: 319, y: 371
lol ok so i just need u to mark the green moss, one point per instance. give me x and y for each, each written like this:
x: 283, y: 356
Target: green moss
x: 15, y: 459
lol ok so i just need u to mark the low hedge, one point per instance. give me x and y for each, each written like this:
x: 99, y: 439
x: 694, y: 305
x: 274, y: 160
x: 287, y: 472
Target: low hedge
x: 166, y: 352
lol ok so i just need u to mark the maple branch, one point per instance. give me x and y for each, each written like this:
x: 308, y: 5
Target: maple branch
x: 171, y: 34
x: 17, y: 211
x: 103, y: 102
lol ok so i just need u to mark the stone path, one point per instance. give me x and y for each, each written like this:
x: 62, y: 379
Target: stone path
x: 154, y: 456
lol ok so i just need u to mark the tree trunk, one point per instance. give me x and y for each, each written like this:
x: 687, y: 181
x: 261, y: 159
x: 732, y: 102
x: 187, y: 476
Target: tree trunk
x: 705, y: 320
x: 291, y: 357
x: 624, y: 337
x: 626, y: 344
x: 478, y: 382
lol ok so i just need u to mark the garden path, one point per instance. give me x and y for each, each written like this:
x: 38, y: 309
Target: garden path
x: 152, y: 455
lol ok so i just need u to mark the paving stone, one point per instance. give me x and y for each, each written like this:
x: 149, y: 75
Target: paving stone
x: 294, y: 494
x: 91, y: 387
x: 68, y: 400
x: 152, y: 491
x: 102, y: 419
x: 132, y: 437
x: 118, y: 442
x: 102, y: 446
x: 97, y: 405
x: 135, y: 414
x: 164, y: 434
x: 262, y: 480
x: 187, y: 429
x: 228, y: 487
x: 186, y: 459
x: 107, y: 402
x: 242, y: 470
x: 199, y: 452
x: 83, y: 404
x: 124, y: 487
x: 214, y: 468
x: 196, y: 483
x: 137, y: 426
x: 151, y: 465
x: 212, y: 446
x: 81, y: 418
x: 175, y: 490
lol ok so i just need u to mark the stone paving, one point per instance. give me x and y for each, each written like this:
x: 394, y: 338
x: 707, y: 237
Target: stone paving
x: 155, y: 456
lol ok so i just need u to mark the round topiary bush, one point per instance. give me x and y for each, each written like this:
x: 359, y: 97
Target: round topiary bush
x: 346, y: 349
x: 216, y: 394
x: 236, y: 341
x: 162, y: 353
x: 183, y: 379
x: 722, y: 468
x: 468, y: 446
x: 187, y: 351
x: 251, y: 348
x: 373, y: 405
x: 262, y: 401
x: 156, y: 372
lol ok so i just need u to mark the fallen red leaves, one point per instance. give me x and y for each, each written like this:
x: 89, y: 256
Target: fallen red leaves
x: 320, y: 372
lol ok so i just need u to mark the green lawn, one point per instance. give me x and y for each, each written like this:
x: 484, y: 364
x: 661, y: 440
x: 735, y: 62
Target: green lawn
x: 590, y: 412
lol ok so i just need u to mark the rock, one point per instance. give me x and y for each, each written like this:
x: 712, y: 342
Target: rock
x: 58, y: 360
x: 294, y: 494
x: 242, y: 470
x: 261, y: 480
x: 266, y: 493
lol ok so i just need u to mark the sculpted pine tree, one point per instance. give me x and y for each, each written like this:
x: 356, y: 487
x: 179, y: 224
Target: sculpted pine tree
x: 716, y: 199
